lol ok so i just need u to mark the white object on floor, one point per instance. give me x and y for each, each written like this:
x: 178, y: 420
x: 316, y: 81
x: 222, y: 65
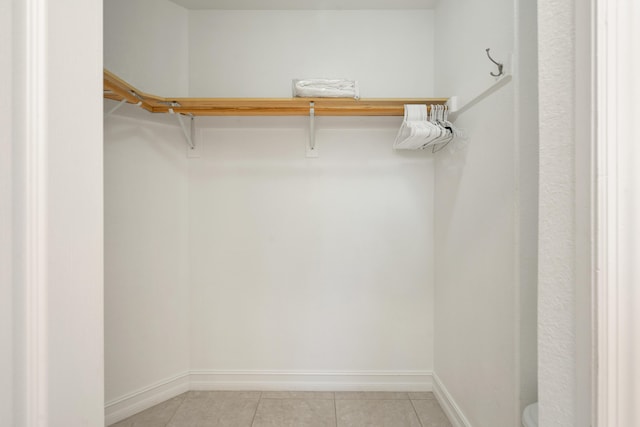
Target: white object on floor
x: 530, y: 416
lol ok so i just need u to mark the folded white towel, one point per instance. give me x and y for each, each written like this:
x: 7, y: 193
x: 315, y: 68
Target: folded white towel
x: 325, y: 88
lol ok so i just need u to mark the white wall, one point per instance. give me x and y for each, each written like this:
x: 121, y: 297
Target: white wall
x: 329, y: 276
x: 6, y: 294
x: 292, y: 265
x: 146, y: 44
x: 74, y: 239
x: 526, y: 87
x: 146, y: 254
x: 307, y: 4
x: 19, y: 61
x: 56, y: 171
x: 87, y: 312
x: 565, y: 214
x: 258, y: 53
x: 618, y: 202
x: 557, y: 218
x: 478, y: 241
x: 310, y: 265
x: 586, y: 199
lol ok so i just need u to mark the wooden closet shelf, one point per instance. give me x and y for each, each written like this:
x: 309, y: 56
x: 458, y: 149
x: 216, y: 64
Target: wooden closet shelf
x: 117, y: 89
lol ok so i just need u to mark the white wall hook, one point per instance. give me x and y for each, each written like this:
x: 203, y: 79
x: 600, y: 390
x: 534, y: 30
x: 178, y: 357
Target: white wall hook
x: 502, y: 79
x: 312, y: 150
x: 498, y: 64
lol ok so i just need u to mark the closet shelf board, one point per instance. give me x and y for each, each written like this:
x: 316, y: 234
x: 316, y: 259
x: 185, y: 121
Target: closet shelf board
x: 117, y: 89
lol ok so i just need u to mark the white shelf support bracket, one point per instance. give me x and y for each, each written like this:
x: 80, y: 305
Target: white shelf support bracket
x: 312, y: 150
x: 453, y: 103
x: 189, y: 135
x: 113, y: 110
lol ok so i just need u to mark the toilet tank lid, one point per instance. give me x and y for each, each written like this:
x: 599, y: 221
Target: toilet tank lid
x: 530, y: 415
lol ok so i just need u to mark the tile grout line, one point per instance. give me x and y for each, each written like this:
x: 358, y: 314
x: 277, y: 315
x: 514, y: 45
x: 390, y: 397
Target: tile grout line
x: 253, y: 420
x: 416, y: 412
x: 335, y: 407
x: 176, y: 411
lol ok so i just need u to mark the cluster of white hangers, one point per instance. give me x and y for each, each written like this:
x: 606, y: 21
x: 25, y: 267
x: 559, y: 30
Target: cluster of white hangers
x: 425, y: 128
x: 431, y: 128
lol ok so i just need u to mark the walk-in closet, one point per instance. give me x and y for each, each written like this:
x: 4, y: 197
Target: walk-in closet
x: 266, y: 249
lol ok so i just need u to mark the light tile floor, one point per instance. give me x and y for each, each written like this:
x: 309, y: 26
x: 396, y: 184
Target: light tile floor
x: 292, y: 409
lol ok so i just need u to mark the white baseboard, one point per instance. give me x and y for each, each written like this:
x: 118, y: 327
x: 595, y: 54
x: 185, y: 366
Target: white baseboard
x: 312, y: 381
x: 142, y: 399
x: 139, y: 400
x: 449, y: 406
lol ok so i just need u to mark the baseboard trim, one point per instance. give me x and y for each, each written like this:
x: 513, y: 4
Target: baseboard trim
x: 144, y: 398
x: 448, y: 404
x: 137, y: 401
x: 312, y: 381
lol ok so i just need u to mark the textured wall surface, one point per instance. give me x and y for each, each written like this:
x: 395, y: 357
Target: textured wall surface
x: 557, y: 328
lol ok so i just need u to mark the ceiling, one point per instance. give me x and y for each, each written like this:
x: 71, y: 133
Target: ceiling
x: 305, y: 4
